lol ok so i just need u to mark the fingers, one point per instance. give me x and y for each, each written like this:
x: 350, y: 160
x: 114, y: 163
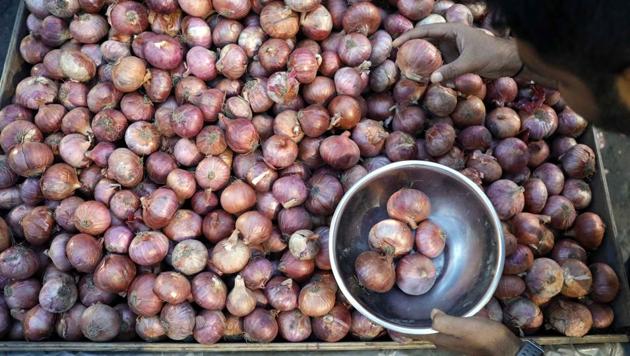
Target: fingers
x: 440, y: 31
x: 454, y: 326
x: 451, y: 70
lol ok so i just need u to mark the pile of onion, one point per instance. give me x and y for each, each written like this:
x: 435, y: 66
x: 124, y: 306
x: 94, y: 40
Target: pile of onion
x: 168, y: 170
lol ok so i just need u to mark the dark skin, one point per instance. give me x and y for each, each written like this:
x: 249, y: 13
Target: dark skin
x: 469, y: 50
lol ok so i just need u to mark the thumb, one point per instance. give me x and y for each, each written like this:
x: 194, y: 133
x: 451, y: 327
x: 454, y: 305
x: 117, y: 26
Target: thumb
x: 450, y: 71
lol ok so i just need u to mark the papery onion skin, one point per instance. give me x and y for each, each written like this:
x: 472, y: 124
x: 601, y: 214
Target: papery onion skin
x: 375, y: 271
x: 414, y: 67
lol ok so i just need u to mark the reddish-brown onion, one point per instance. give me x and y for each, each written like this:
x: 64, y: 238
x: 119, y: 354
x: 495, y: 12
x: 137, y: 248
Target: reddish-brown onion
x: 333, y: 326
x: 605, y: 285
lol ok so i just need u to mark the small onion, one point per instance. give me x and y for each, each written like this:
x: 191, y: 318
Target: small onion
x: 209, y: 291
x: 418, y: 67
x: 375, y: 271
x: 260, y: 325
x: 230, y: 255
x: 333, y: 326
x: 415, y: 274
x: 100, y: 322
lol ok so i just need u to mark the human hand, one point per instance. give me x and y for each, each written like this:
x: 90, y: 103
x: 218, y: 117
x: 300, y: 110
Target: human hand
x: 467, y: 50
x: 472, y: 336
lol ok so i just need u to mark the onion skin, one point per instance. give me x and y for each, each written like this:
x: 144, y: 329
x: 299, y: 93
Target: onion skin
x: 409, y: 205
x: 519, y: 261
x: 507, y: 198
x: 141, y: 298
x: 577, y: 279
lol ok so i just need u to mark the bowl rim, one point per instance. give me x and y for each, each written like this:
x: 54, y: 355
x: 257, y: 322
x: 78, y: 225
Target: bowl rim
x: 436, y: 168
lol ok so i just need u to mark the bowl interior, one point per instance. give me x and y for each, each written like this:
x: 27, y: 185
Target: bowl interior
x: 469, y: 268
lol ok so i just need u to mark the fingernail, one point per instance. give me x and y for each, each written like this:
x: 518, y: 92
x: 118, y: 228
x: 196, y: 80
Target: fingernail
x: 436, y: 77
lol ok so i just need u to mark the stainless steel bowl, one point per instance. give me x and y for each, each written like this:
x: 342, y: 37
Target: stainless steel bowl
x: 468, y: 270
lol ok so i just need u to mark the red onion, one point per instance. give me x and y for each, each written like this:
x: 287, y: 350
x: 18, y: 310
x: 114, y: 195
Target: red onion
x: 58, y: 295
x: 163, y: 52
x: 128, y: 323
x: 346, y: 112
x: 551, y: 176
x: 128, y: 18
x: 101, y: 96
x: 183, y: 225
x: 570, y: 123
x: 90, y: 294
x: 117, y: 239
x: 354, y: 49
x: 159, y: 207
x: 77, y: 65
x: 375, y: 271
x: 396, y: 24
x: 114, y: 273
x: 503, y: 122
x: 32, y: 49
x: 112, y: 51
x: 178, y: 320
x: 232, y: 62
x: 418, y: 67
x: 217, y: 226
x: 100, y: 322
x: 589, y: 230
x: 502, y: 90
x: 201, y: 8
x: 88, y: 28
x: 430, y: 239
x: 100, y: 153
x: 545, y: 278
x: 605, y: 283
x: 30, y: 158
x: 279, y: 21
x: 54, y: 31
x: 19, y: 131
x: 250, y: 39
x: 38, y: 324
x: 172, y: 287
x: 330, y: 63
x: 279, y: 151
x: 18, y: 262
x: 333, y: 326
x: 128, y: 74
x: 577, y: 279
x: 523, y: 314
x: 148, y: 248
x: 538, y: 153
x: 125, y: 167
x: 540, y: 123
x: 578, y: 192
x: 274, y: 54
x: 286, y: 123
x: 157, y: 86
x: 209, y: 327
x: 317, y: 23
x: 168, y: 24
x: 519, y: 261
x: 92, y: 217
x: 339, y: 151
x: 73, y: 94
x: 241, y: 300
x: 241, y: 135
x: 509, y: 287
x: 579, y: 161
x: 294, y: 268
x: 68, y: 325
x: 512, y: 154
x: 260, y: 325
x: 230, y: 255
x: 561, y: 211
x: 569, y: 318
x: 37, y: 225
x: 150, y: 328
x: 294, y: 326
x: 189, y: 257
x: 415, y: 274
x: 209, y: 291
x: 186, y: 153
x: 305, y: 64
x: 535, y: 195
x: 361, y: 17
x: 22, y: 294
x: 603, y: 315
x: 109, y: 125
x: 282, y: 293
